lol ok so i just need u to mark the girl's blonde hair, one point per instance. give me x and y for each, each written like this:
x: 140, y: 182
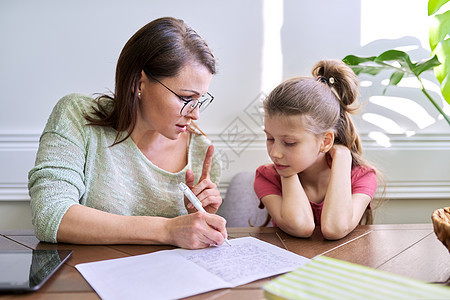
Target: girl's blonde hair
x: 326, y: 101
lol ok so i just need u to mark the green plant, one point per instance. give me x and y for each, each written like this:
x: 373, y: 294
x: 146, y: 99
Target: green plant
x: 440, y: 44
x: 401, y: 65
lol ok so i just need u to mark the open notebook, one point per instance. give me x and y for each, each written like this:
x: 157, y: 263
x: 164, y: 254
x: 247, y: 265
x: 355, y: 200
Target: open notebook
x: 328, y: 278
x: 178, y: 273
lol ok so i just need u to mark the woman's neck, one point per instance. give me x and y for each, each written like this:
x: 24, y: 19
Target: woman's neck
x: 167, y: 154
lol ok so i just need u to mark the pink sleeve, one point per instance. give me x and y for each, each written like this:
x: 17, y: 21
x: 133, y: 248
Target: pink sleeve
x: 267, y: 182
x: 364, y: 181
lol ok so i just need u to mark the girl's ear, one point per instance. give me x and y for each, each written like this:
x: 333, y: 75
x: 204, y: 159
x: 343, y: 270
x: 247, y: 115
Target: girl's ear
x: 327, y: 141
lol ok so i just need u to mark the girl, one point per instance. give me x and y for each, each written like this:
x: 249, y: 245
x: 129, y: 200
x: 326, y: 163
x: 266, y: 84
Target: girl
x: 318, y: 177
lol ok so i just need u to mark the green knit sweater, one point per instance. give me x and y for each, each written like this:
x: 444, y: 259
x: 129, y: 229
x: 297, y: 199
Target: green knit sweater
x: 76, y: 165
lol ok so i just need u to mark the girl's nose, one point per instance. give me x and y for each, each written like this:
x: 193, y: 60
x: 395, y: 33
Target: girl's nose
x: 275, y: 151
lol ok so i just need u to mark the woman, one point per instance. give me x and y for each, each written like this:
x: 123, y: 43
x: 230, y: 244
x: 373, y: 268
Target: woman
x: 107, y: 169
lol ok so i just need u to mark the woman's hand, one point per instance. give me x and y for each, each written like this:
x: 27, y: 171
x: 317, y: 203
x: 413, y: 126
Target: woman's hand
x: 205, y: 190
x: 196, y: 230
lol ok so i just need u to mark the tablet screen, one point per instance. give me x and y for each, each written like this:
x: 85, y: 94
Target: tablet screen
x: 28, y: 270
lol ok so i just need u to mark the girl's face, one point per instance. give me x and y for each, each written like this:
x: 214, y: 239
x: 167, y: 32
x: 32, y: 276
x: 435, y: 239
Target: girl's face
x: 290, y: 146
x: 159, y: 109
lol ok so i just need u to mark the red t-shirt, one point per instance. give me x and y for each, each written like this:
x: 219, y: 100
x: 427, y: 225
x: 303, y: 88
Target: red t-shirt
x: 268, y: 182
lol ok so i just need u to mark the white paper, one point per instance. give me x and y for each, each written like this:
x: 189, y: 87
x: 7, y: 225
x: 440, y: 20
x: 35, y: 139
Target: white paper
x: 178, y: 273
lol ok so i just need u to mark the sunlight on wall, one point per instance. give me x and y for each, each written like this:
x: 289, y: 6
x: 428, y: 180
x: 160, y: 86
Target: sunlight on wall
x: 405, y: 107
x: 365, y: 83
x: 385, y: 123
x: 399, y: 18
x: 272, y: 58
x: 380, y: 138
x: 428, y: 85
x: 392, y: 20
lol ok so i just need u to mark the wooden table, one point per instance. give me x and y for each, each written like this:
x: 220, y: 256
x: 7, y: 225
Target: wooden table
x: 409, y: 250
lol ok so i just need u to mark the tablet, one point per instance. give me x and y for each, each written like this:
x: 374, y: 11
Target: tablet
x: 27, y: 270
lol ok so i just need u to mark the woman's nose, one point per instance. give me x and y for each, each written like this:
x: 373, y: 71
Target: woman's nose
x: 194, y: 114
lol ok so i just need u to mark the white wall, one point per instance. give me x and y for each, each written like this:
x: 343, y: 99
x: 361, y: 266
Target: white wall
x: 52, y: 48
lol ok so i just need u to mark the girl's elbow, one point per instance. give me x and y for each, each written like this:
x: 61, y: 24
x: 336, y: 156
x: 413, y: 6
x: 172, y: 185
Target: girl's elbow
x: 306, y: 232
x: 334, y: 232
x: 302, y: 230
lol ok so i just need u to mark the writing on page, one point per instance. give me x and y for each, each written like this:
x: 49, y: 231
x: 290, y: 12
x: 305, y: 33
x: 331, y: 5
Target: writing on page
x: 245, y: 260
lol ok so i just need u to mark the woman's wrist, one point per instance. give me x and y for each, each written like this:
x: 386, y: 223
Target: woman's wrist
x: 151, y: 230
x: 162, y: 231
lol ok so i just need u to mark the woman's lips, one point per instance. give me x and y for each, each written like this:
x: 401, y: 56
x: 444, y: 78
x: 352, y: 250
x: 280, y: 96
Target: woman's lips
x: 181, y: 128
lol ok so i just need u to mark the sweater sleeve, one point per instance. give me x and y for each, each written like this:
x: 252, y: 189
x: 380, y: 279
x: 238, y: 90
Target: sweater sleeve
x: 216, y: 168
x: 57, y: 180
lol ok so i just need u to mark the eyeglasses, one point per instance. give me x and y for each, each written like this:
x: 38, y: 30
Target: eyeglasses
x: 189, y: 104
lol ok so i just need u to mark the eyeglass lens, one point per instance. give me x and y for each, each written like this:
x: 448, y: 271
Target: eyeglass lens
x: 203, y: 102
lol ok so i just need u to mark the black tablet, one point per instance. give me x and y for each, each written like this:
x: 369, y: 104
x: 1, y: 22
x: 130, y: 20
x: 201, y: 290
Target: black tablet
x: 27, y: 270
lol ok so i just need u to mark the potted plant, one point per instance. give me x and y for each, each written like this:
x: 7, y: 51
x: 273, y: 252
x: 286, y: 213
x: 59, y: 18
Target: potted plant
x: 401, y: 65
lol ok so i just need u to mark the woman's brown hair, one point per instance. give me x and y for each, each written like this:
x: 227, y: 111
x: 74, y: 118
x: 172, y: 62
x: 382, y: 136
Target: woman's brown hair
x: 162, y: 48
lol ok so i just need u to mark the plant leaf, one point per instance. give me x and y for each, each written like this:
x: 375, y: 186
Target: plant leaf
x: 434, y: 5
x: 396, y: 77
x: 445, y: 88
x: 396, y: 55
x: 439, y: 28
x: 364, y: 65
x: 442, y: 71
x: 371, y: 70
x: 375, y: 64
x: 425, y: 65
x: 354, y: 60
x: 442, y: 51
x: 394, y: 80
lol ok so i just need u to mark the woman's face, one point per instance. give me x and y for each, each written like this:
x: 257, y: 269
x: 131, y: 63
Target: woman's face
x: 159, y: 109
x: 290, y: 146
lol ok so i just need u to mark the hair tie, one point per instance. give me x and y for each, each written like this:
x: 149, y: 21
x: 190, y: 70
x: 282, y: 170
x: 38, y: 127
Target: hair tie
x: 329, y: 81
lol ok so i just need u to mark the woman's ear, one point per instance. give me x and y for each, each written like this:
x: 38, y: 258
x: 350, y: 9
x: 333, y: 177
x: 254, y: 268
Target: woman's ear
x: 140, y: 86
x: 327, y: 141
x: 141, y: 82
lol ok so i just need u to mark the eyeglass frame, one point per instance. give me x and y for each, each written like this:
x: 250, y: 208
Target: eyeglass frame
x: 186, y: 101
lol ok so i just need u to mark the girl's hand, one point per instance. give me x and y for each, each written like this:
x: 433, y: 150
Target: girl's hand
x: 340, y: 151
x: 205, y: 190
x: 196, y: 230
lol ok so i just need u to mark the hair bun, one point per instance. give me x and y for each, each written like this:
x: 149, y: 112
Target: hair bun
x: 339, y: 76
